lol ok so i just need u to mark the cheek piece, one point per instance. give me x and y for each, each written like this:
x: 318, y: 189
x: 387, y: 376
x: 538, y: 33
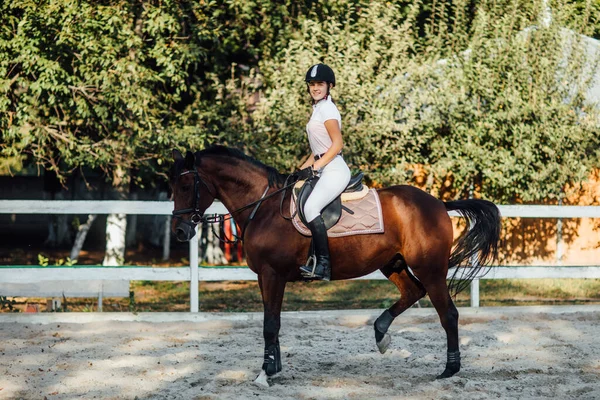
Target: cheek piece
x: 196, y: 216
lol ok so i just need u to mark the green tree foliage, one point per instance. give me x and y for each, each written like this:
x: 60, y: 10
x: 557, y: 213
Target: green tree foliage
x: 96, y: 85
x: 480, y: 93
x: 511, y: 115
x: 493, y: 104
x: 369, y: 51
x: 117, y: 84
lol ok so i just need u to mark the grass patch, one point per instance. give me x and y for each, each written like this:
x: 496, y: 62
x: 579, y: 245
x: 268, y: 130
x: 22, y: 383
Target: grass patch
x: 244, y: 296
x: 539, y: 291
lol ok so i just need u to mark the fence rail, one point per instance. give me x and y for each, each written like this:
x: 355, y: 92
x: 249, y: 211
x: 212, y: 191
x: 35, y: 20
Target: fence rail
x: 27, y: 274
x: 95, y: 207
x: 194, y: 273
x: 166, y: 207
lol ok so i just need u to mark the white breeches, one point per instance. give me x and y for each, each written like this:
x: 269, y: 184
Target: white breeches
x: 334, y: 178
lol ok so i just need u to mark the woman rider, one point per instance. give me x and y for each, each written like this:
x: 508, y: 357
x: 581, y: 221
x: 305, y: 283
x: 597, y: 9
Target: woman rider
x: 324, y: 131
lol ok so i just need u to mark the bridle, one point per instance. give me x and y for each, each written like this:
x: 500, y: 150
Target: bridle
x: 197, y: 216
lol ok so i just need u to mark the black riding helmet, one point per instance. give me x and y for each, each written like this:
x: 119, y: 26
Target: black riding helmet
x: 320, y: 72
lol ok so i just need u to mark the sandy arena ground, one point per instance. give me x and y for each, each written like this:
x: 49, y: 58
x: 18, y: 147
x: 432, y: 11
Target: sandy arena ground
x: 508, y: 353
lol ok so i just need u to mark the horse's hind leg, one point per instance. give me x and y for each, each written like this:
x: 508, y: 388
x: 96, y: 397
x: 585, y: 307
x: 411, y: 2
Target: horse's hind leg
x: 441, y: 300
x: 411, y: 290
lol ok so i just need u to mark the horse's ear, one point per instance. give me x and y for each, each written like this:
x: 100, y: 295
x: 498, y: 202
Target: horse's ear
x: 190, y: 160
x: 177, y: 156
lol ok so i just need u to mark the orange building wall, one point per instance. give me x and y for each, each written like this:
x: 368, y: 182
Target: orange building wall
x: 533, y: 241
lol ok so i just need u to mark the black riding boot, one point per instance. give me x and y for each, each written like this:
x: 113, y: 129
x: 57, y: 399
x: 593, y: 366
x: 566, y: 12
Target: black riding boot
x: 320, y: 267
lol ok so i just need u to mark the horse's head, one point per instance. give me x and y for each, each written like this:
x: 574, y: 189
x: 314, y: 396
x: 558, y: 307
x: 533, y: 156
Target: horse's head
x: 191, y: 195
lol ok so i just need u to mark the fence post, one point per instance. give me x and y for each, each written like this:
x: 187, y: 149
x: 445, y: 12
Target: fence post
x: 559, y: 240
x: 194, y: 304
x: 474, y: 282
x: 475, y: 292
x: 100, y: 297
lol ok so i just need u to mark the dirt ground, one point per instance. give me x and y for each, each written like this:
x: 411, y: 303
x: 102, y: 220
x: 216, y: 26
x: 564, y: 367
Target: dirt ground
x: 508, y: 353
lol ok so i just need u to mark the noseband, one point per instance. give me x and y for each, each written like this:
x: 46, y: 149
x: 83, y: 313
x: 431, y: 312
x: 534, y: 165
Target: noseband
x: 196, y: 216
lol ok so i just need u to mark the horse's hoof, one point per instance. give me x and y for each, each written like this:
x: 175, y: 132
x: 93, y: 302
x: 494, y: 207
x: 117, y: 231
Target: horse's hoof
x: 261, y: 380
x: 384, y: 343
x: 449, y: 371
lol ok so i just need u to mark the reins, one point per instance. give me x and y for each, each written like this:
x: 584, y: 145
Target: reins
x: 283, y: 198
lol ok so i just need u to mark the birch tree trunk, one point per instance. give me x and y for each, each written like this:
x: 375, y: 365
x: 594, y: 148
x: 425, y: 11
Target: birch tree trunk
x: 202, y: 242
x: 214, y: 253
x: 167, y: 239
x: 116, y: 225
x: 81, y: 235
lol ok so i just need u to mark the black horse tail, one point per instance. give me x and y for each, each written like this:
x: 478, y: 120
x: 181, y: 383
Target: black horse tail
x: 477, y: 247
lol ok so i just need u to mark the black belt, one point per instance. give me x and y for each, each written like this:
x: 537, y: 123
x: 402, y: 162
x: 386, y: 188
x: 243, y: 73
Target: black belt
x: 319, y: 156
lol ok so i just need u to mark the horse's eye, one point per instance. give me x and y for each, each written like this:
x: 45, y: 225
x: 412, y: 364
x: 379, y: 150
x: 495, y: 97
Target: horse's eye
x: 186, y: 188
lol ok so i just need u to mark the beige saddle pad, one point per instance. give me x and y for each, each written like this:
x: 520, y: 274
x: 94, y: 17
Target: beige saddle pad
x: 367, y: 217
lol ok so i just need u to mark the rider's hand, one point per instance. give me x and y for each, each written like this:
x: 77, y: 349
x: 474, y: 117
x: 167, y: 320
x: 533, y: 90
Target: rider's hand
x: 305, y: 173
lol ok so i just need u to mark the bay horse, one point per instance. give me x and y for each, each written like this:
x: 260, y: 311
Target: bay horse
x: 415, y: 251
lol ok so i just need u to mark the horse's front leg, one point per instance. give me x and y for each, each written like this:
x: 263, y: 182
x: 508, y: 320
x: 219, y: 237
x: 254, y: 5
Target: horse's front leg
x: 272, y: 287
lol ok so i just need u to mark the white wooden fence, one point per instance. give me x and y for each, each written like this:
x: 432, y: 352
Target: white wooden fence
x: 194, y: 273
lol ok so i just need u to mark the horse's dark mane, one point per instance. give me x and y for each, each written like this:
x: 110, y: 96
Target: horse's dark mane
x: 275, y: 178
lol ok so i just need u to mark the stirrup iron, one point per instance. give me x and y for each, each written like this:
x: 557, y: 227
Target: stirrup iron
x: 311, y: 259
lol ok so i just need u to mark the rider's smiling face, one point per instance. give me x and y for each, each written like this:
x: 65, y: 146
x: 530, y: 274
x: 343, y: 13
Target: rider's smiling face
x: 318, y: 90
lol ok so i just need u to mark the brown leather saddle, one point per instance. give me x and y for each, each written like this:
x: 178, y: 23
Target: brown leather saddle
x: 333, y: 211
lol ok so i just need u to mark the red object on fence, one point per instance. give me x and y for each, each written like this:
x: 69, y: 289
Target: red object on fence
x: 32, y: 308
x: 240, y: 252
x: 232, y: 251
x: 227, y: 245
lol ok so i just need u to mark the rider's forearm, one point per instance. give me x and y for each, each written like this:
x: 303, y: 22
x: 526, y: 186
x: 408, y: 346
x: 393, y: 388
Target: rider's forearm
x: 309, y: 161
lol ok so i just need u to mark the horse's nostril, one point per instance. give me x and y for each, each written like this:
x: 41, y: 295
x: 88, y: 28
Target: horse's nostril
x: 181, y: 235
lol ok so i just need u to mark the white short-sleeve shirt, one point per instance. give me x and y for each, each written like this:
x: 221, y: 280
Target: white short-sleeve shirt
x: 318, y: 138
